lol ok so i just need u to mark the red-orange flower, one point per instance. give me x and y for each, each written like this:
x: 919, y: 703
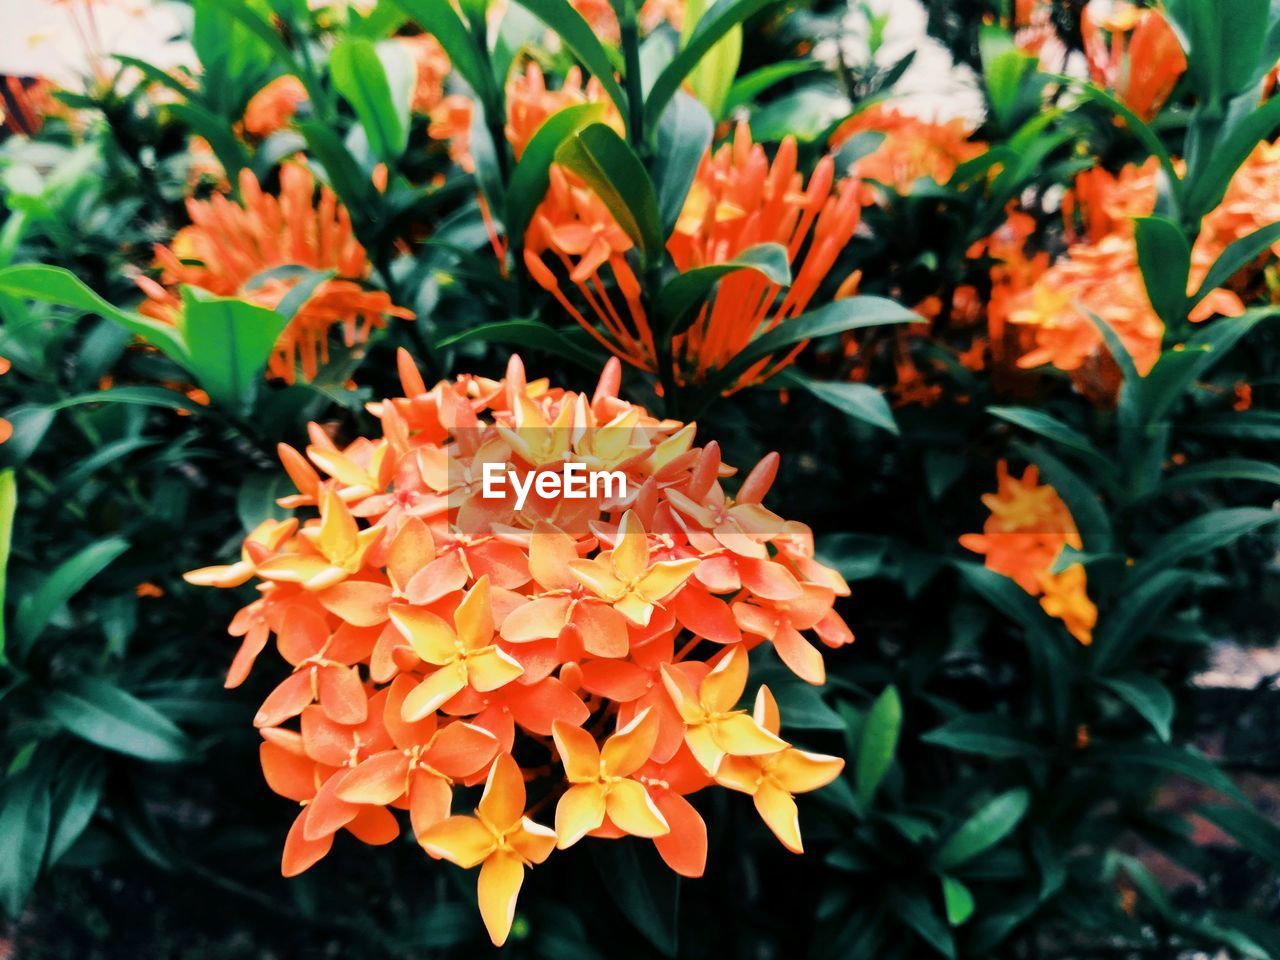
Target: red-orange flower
x: 231, y: 248
x: 272, y: 107
x: 1133, y: 52
x: 1022, y: 539
x: 912, y: 149
x: 738, y: 199
x: 431, y: 631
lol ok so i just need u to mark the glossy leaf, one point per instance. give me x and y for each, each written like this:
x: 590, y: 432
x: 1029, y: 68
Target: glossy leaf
x: 36, y: 609
x: 1148, y: 696
x: 684, y: 135
x: 359, y: 76
x: 878, y: 743
x: 230, y: 341
x: 1164, y: 257
x: 582, y: 42
x: 861, y: 401
x: 613, y: 171
x: 98, y: 711
x: 24, y: 835
x: 531, y: 177
x: 684, y: 293
x: 996, y: 819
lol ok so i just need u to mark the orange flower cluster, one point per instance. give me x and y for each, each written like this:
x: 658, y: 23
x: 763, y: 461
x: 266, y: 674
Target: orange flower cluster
x: 1133, y: 52
x: 603, y: 19
x: 432, y: 65
x: 1022, y: 539
x: 1099, y: 274
x: 912, y: 149
x: 231, y: 248
x: 435, y: 634
x: 738, y: 198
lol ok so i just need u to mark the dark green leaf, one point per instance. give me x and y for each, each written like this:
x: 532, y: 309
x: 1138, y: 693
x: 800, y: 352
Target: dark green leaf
x: 1180, y: 761
x: 75, y: 800
x: 441, y: 20
x: 986, y: 735
x: 982, y: 831
x: 1254, y: 471
x: 647, y: 893
x: 1164, y: 256
x: 879, y: 743
x: 719, y: 19
x: 1203, y: 534
x: 1148, y: 696
x: 37, y: 608
x: 103, y: 714
x: 613, y: 171
x: 8, y: 506
x: 1134, y: 615
x: 861, y: 401
x: 1235, y: 258
x: 917, y: 913
x: 24, y: 835
x: 528, y: 333
x: 532, y: 174
x: 684, y: 135
x: 1053, y: 429
x: 1253, y: 832
x: 684, y: 293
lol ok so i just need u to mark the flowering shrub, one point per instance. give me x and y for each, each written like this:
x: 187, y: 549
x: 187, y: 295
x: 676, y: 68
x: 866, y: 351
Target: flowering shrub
x: 998, y: 283
x: 423, y: 643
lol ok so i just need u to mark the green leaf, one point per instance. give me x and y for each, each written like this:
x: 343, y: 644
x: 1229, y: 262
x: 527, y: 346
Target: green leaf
x: 1044, y: 425
x: 1255, y: 833
x: 647, y: 893
x: 1164, y: 256
x: 528, y: 333
x: 746, y: 88
x: 684, y: 135
x: 985, y: 735
x: 136, y: 396
x: 582, y: 42
x: 358, y: 74
x: 230, y: 341
x: 353, y: 187
x: 858, y: 400
x: 917, y: 913
x: 680, y: 296
x: 1207, y: 185
x: 76, y: 799
x: 982, y: 831
x: 1203, y: 534
x: 1235, y: 258
x: 532, y: 175
x: 1134, y: 615
x: 216, y: 131
x: 879, y: 743
x: 711, y: 79
x: 8, y: 507
x: 1253, y: 471
x: 69, y: 578
x: 98, y: 711
x: 720, y: 18
x: 613, y: 171
x: 852, y: 313
x: 1148, y: 696
x: 1177, y: 369
x: 1007, y: 597
x: 60, y: 286
x: 958, y: 901
x: 1180, y: 761
x: 24, y: 835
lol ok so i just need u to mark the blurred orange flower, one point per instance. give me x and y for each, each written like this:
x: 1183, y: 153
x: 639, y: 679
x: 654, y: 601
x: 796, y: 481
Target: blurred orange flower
x: 272, y: 107
x: 912, y: 149
x: 231, y: 249
x: 1133, y: 52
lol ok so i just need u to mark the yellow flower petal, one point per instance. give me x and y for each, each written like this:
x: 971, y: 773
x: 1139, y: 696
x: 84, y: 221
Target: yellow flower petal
x: 741, y: 736
x: 598, y: 578
x: 580, y: 810
x: 433, y: 693
x: 474, y: 617
x: 491, y: 668
x: 630, y: 554
x: 578, y: 752
x: 431, y: 638
x: 633, y: 811
x: 664, y: 577
x: 502, y: 804
x: 778, y: 810
x: 798, y: 771
x: 628, y: 750
x: 723, y: 686
x: 500, y: 880
x: 460, y: 840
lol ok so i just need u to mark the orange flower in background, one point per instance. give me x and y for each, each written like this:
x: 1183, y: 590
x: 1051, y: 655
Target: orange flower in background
x: 603, y: 19
x: 912, y: 149
x: 738, y: 199
x: 6, y: 428
x: 1024, y: 535
x: 1133, y: 52
x: 431, y: 65
x: 231, y: 245
x: 432, y: 634
x: 272, y: 107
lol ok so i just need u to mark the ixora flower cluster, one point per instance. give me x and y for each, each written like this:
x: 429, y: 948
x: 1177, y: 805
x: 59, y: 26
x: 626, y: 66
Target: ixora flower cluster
x: 441, y: 640
x: 1023, y: 538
